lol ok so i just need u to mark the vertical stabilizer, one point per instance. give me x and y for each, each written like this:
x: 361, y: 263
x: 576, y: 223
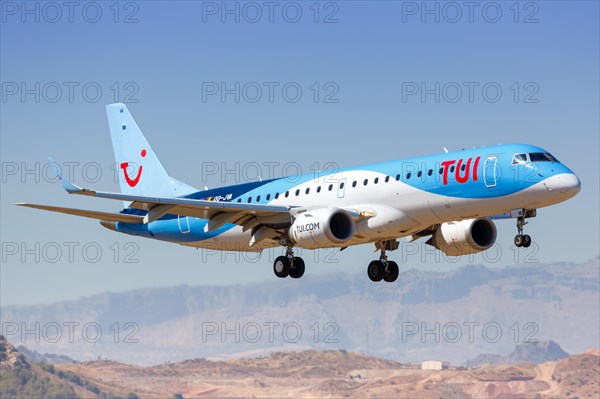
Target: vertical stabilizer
x: 139, y: 168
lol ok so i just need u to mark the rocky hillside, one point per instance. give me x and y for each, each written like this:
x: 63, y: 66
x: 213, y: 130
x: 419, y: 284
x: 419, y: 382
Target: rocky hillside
x: 22, y: 379
x: 10, y: 358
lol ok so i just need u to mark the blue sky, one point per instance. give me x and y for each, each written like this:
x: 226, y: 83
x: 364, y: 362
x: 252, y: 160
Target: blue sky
x: 353, y: 62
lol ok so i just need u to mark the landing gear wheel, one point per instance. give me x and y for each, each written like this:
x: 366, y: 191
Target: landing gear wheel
x: 391, y: 272
x: 282, y: 266
x: 297, y: 269
x: 375, y: 271
x: 519, y: 240
x: 523, y: 240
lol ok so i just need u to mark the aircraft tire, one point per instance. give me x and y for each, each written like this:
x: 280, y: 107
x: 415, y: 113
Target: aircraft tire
x: 298, y: 268
x: 519, y: 240
x: 391, y: 272
x: 282, y: 267
x: 375, y: 271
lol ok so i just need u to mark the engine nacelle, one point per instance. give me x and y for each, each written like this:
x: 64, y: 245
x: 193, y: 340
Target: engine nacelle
x: 322, y: 228
x: 465, y: 237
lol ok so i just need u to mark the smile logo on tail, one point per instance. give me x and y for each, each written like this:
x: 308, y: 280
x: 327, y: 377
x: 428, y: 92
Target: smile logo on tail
x: 129, y: 180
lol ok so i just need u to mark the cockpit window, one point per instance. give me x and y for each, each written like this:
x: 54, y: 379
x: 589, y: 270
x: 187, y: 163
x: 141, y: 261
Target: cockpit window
x: 519, y: 158
x: 541, y: 157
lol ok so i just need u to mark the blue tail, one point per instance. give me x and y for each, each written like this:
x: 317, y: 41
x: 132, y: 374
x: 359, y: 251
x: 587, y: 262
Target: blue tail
x: 139, y: 168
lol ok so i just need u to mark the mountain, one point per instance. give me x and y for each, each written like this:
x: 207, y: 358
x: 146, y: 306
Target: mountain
x: 534, y: 352
x: 452, y: 316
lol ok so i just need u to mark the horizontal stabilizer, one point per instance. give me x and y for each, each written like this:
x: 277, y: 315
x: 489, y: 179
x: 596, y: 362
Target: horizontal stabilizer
x: 112, y: 217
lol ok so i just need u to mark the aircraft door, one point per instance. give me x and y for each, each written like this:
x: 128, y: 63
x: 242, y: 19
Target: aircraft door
x: 490, y: 171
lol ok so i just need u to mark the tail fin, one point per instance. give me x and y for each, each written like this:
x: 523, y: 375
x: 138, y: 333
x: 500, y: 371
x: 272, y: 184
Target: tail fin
x: 139, y: 169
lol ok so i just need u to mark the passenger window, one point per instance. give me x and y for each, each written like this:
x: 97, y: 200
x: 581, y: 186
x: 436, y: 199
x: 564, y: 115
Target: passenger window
x: 441, y: 170
x: 330, y: 187
x: 258, y: 199
x: 249, y: 199
x: 463, y: 167
x: 452, y: 169
x: 276, y: 195
x: 308, y: 190
x: 239, y: 200
x: 354, y: 183
x: 387, y: 179
x: 519, y: 158
x: 268, y: 197
x: 419, y: 174
x: 430, y: 172
x: 297, y: 192
x: 366, y: 182
x: 287, y: 194
x: 398, y: 177
x: 408, y: 175
x: 318, y: 189
x: 376, y: 180
x: 341, y: 185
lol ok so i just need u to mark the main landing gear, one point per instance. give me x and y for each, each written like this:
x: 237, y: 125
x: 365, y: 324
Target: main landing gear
x: 383, y: 269
x: 522, y: 240
x: 289, y: 265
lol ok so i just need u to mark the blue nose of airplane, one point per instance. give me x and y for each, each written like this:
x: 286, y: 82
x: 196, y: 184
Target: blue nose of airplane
x: 564, y: 183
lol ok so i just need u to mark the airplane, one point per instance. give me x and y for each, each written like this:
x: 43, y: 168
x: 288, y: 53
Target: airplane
x: 450, y: 197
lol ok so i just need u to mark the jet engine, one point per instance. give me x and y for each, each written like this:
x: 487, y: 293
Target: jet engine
x: 322, y: 228
x: 465, y: 237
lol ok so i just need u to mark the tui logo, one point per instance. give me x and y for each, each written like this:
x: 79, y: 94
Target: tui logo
x: 461, y: 168
x: 129, y: 180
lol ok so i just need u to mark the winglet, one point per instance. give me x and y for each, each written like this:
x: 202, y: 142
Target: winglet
x: 56, y: 166
x: 67, y: 185
x: 70, y: 187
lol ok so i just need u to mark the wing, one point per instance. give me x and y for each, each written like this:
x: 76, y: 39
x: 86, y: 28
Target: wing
x: 217, y: 213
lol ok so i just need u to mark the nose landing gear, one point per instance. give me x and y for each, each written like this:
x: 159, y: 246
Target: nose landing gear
x: 522, y: 240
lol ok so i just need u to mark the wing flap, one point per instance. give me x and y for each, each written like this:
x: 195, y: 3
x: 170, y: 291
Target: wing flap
x: 111, y: 217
